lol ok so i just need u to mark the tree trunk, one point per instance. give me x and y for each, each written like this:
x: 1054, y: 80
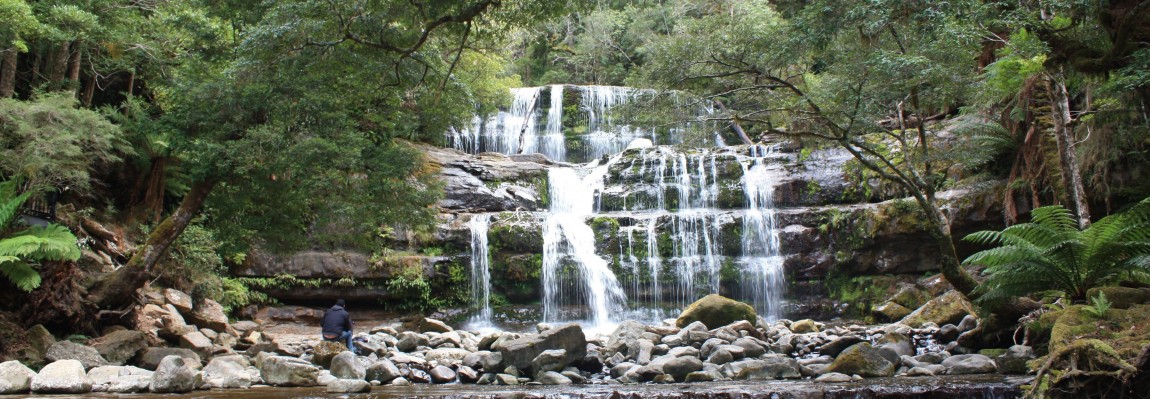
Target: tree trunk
x: 74, y: 68
x: 118, y: 288
x: 89, y: 91
x: 58, y: 66
x: 1071, y: 177
x: 8, y: 73
x: 950, y: 266
x: 735, y: 124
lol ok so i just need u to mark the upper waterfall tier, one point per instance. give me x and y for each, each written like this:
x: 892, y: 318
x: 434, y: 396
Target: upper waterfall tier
x: 570, y: 123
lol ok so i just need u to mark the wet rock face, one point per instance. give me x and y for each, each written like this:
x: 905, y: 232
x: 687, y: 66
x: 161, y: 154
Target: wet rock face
x: 489, y: 182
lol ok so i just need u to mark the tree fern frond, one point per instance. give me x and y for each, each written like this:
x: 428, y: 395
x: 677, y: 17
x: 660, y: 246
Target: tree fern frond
x: 9, y: 202
x: 53, y: 242
x: 20, y: 273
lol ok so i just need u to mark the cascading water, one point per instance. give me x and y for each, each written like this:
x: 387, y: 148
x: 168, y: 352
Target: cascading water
x: 480, y: 271
x: 761, y: 237
x: 573, y: 274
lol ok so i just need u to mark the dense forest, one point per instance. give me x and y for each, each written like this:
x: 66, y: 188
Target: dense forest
x: 199, y: 130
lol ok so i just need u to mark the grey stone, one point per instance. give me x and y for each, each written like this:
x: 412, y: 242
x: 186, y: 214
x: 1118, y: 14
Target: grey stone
x: 288, y: 371
x: 347, y: 367
x: 197, y: 342
x: 720, y: 357
x: 173, y: 376
x: 103, y: 376
x: 520, y: 352
x: 400, y: 382
x: 62, y: 376
x: 833, y: 377
x: 227, y: 373
x: 506, y: 379
x: 447, y: 356
x: 553, y: 378
x: 120, y: 346
x: 87, y: 355
x: 703, y: 376
x: 864, y: 360
x: 181, y: 301
x: 409, y: 341
x: 151, y: 358
x: 837, y: 345
x: 442, y: 374
x: 210, y: 314
x: 467, y: 374
x: 15, y: 377
x: 751, y: 347
x: 1014, y: 360
x: 969, y: 364
x: 549, y: 360
x: 919, y: 372
x: 679, y: 367
x: 383, y: 370
x: 774, y: 367
x: 348, y: 386
x: 484, y: 360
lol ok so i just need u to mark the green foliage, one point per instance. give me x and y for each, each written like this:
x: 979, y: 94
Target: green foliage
x: 1098, y: 306
x: 50, y: 144
x: 1051, y: 253
x: 22, y: 250
x: 19, y: 25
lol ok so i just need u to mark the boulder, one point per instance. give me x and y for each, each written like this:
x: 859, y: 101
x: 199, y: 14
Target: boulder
x: 839, y: 344
x: 227, y: 373
x: 679, y: 367
x: 1014, y: 360
x: 346, y: 366
x: 103, y: 376
x: 197, y: 342
x: 716, y: 310
x: 173, y: 376
x: 442, y: 374
x: 288, y: 371
x: 484, y: 360
x: 775, y: 367
x: 151, y: 357
x: 833, y: 377
x: 751, y: 348
x: 625, y: 335
x: 969, y: 364
x: 805, y: 326
x: 549, y: 360
x: 324, y: 351
x: 210, y: 314
x: 467, y: 374
x: 433, y: 325
x: 87, y: 355
x: 383, y: 370
x: 15, y: 377
x: 120, y: 346
x: 553, y: 378
x: 520, y: 352
x: 949, y: 308
x: 62, y: 376
x: 704, y: 376
x: 889, y: 311
x: 447, y: 356
x: 864, y: 360
x: 181, y: 301
x: 131, y: 380
x: 409, y: 341
x: 348, y: 386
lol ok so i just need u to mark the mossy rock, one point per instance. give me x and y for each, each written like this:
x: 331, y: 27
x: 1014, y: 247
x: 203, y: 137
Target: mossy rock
x: 949, y: 308
x: 890, y: 311
x: 864, y: 360
x: 805, y: 326
x: 1121, y: 297
x: 716, y: 311
x: 324, y: 351
x: 910, y: 297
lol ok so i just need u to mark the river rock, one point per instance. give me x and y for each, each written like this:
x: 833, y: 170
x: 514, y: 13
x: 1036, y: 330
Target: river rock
x: 103, y: 376
x: 679, y: 367
x: 325, y: 351
x: 348, y: 386
x: 720, y: 356
x: 553, y: 378
x: 969, y: 364
x: 703, y: 376
x: 549, y: 360
x: 210, y: 314
x: 173, y: 376
x: 484, y: 360
x: 864, y: 360
x: 890, y: 311
x: 833, y: 377
x: 805, y: 326
x: 120, y: 346
x: 775, y: 367
x: 837, y: 345
x: 752, y: 348
x: 151, y: 358
x: 447, y: 356
x: 130, y: 380
x: 15, y: 377
x: 625, y: 335
x: 949, y: 308
x: 62, y: 376
x: 288, y: 371
x: 433, y: 325
x: 177, y: 298
x: 63, y: 350
x: 227, y: 372
x: 197, y: 342
x: 1014, y: 360
x: 442, y: 374
x: 419, y: 376
x: 716, y: 310
x: 345, y: 365
x: 520, y: 352
x: 467, y: 374
x: 383, y: 370
x: 410, y: 341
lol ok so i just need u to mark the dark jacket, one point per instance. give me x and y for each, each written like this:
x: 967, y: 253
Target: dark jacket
x: 336, y: 320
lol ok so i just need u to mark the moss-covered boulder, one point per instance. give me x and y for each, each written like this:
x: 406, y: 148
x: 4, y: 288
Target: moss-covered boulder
x: 1121, y: 297
x: 805, y: 326
x: 864, y: 360
x: 716, y: 311
x: 890, y: 311
x: 949, y: 308
x: 325, y: 351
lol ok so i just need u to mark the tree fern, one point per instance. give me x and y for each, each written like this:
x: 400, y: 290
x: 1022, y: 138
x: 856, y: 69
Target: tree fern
x: 20, y: 251
x: 1051, y: 253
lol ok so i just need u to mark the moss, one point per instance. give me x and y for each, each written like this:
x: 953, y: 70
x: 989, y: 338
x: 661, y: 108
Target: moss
x: 716, y: 311
x: 992, y: 352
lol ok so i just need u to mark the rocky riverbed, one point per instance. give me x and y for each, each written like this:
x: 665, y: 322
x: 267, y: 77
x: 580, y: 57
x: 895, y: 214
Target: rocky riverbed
x: 167, y: 354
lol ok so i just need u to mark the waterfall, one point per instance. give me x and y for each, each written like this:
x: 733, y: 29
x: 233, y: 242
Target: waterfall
x: 573, y: 274
x: 555, y: 145
x: 764, y: 269
x: 480, y: 270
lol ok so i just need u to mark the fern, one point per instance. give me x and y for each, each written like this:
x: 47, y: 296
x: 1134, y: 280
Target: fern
x: 20, y: 251
x: 1051, y: 253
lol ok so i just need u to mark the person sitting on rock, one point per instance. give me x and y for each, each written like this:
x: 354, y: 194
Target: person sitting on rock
x: 337, y: 324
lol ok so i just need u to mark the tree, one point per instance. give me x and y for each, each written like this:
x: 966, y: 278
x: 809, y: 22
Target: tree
x: 22, y: 250
x: 1053, y: 253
